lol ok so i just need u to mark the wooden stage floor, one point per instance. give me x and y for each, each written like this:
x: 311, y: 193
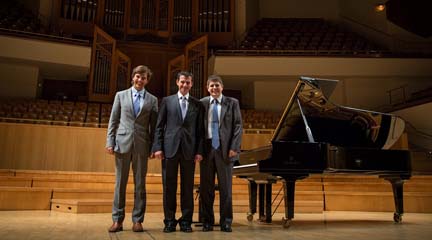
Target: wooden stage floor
x: 334, y: 225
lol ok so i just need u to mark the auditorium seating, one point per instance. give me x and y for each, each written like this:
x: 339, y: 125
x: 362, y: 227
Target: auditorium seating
x: 84, y: 114
x: 52, y: 112
x: 305, y: 36
x: 14, y: 16
x: 255, y: 119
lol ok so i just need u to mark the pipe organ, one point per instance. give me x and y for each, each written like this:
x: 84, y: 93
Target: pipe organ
x: 214, y: 16
x: 171, y: 22
x: 163, y: 18
x: 79, y: 10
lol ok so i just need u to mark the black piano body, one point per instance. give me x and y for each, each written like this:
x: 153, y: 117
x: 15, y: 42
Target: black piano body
x: 315, y: 136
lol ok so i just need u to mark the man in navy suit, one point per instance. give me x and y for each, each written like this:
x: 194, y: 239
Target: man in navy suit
x: 178, y: 142
x: 130, y: 134
x: 223, y: 128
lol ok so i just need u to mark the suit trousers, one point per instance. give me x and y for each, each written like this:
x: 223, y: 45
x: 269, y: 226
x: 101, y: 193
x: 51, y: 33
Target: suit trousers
x: 139, y: 168
x: 169, y: 179
x: 215, y: 164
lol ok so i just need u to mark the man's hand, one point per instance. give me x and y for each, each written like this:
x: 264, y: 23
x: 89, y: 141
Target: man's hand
x: 198, y: 158
x: 109, y: 150
x: 232, y: 153
x: 159, y: 155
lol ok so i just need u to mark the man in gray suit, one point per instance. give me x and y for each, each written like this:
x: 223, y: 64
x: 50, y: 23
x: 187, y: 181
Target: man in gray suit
x: 178, y: 142
x: 130, y: 134
x: 223, y: 128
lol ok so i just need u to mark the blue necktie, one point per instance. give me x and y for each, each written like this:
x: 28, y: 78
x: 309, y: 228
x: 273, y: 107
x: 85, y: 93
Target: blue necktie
x: 215, y: 125
x: 183, y: 106
x: 136, y: 104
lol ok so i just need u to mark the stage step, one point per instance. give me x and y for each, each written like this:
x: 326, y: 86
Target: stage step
x: 12, y: 181
x: 84, y: 192
x: 344, y: 193
x: 25, y: 198
x: 65, y: 174
x: 7, y: 172
x: 105, y: 206
x: 376, y: 201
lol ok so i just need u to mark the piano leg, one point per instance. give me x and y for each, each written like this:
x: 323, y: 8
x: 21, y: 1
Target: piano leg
x: 261, y: 202
x: 252, y: 200
x: 268, y: 202
x: 289, y: 190
x: 397, y: 186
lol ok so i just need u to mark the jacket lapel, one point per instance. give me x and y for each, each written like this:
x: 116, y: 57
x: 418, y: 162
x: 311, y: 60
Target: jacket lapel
x: 129, y: 100
x: 206, y: 106
x: 190, y: 107
x: 224, y: 106
x: 176, y: 102
x: 144, y: 103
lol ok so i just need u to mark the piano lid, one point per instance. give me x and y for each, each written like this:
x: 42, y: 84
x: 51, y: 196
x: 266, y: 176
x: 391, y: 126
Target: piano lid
x: 310, y: 117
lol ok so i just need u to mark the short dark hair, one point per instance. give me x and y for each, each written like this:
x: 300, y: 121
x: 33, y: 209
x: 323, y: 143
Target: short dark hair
x: 142, y: 69
x: 214, y: 78
x: 184, y: 73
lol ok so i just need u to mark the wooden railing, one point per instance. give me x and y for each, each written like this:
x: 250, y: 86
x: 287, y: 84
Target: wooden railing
x: 56, y: 147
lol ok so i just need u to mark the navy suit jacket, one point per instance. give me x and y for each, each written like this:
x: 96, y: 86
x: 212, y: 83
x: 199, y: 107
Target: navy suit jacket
x: 173, y: 133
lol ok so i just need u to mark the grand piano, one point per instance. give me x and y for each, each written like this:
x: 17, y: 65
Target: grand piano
x: 315, y: 136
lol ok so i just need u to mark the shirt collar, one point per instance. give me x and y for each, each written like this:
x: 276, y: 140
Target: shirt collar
x: 219, y: 99
x: 134, y: 92
x: 179, y: 95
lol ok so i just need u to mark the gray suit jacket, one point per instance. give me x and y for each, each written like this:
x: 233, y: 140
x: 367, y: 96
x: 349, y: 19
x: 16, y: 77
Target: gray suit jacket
x: 173, y: 133
x: 127, y: 133
x: 230, y: 129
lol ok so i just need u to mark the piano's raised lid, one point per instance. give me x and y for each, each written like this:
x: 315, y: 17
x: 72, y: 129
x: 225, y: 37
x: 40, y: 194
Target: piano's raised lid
x: 310, y: 117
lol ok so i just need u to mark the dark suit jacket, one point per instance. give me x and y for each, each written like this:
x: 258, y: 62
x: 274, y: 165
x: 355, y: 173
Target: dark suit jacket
x: 172, y: 133
x: 230, y: 129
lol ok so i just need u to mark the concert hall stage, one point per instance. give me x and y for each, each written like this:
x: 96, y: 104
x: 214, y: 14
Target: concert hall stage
x: 327, y: 225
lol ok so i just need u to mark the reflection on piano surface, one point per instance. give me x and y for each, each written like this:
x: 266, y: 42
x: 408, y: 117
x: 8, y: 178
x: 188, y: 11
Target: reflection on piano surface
x: 317, y: 136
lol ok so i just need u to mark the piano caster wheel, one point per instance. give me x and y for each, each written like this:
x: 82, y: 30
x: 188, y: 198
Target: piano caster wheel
x: 397, y: 217
x: 286, y: 223
x: 249, y: 217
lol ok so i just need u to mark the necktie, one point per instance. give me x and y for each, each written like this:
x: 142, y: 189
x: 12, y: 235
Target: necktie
x: 136, y: 104
x: 183, y: 106
x: 215, y: 125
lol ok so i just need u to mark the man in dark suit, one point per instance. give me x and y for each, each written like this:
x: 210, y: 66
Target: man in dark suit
x: 223, y: 128
x: 178, y: 141
x: 130, y: 134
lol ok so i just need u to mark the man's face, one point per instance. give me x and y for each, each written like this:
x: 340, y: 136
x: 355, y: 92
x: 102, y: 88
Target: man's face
x: 184, y: 84
x: 139, y: 81
x: 215, y: 89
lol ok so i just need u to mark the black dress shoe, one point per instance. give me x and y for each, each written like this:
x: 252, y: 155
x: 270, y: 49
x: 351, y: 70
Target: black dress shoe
x: 185, y: 227
x: 207, y: 227
x: 170, y: 227
x: 226, y: 228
